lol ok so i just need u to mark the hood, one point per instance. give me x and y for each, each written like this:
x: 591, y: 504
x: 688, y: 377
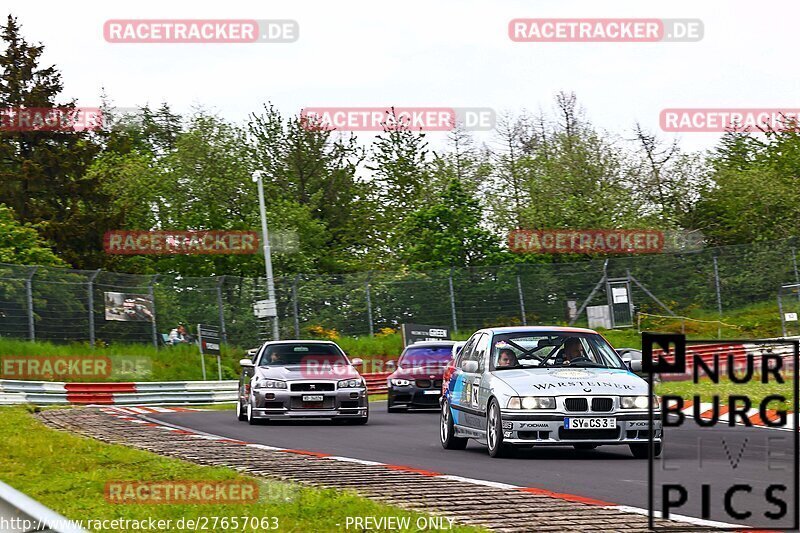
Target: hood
x: 302, y: 373
x: 429, y: 371
x: 573, y: 381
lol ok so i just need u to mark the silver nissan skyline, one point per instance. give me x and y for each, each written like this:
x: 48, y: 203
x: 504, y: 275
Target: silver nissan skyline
x: 519, y: 387
x: 301, y: 379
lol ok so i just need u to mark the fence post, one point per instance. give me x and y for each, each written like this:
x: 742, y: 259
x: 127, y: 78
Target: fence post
x: 452, y: 299
x: 719, y: 296
x: 222, y: 333
x: 295, y: 307
x: 780, y: 310
x: 369, y: 305
x: 521, y: 301
x: 29, y: 301
x: 794, y: 264
x: 151, y: 293
x: 90, y: 303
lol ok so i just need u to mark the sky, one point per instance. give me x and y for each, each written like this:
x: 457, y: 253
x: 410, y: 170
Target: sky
x: 444, y: 53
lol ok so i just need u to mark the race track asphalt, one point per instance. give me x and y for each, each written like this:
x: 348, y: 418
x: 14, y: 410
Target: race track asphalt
x: 719, y: 457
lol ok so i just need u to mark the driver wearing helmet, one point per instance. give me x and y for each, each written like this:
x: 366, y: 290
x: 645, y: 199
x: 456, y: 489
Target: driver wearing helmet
x: 573, y: 349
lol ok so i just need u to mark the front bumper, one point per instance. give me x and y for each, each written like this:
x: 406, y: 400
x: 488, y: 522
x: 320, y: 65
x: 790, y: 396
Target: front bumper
x: 287, y: 404
x: 413, y: 396
x: 526, y: 427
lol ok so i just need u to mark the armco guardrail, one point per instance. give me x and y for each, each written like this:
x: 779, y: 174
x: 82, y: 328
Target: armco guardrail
x: 162, y: 392
x: 140, y: 393
x: 21, y: 513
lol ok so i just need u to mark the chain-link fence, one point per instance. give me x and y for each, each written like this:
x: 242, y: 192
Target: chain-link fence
x: 56, y: 304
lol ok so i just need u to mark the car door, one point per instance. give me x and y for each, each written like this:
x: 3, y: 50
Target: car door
x: 456, y: 383
x: 470, y: 385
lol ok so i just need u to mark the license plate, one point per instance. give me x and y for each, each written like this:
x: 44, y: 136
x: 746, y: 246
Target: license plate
x: 313, y: 397
x: 590, y: 423
x: 432, y: 392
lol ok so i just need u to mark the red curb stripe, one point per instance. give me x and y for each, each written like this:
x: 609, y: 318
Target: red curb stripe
x: 100, y: 387
x: 234, y: 441
x: 85, y: 398
x: 401, y: 468
x: 305, y: 452
x: 567, y: 497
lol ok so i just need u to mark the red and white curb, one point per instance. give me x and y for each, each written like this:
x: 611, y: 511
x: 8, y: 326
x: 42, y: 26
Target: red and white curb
x: 141, y: 418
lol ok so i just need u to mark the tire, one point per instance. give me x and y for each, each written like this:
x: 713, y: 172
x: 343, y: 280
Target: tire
x: 583, y: 447
x: 494, y: 432
x: 447, y: 430
x: 241, y: 414
x: 642, y: 451
x: 250, y: 419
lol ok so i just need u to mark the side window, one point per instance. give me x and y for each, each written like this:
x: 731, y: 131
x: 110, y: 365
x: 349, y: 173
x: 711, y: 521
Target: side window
x: 480, y: 352
x: 466, y: 351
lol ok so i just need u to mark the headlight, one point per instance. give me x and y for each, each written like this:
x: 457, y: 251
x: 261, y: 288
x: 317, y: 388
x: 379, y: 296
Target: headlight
x: 636, y: 402
x: 532, y: 402
x: 401, y: 382
x: 270, y: 384
x: 349, y: 384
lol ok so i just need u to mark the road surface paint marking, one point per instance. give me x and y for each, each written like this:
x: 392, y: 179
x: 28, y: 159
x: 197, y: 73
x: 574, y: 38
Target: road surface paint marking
x: 677, y: 517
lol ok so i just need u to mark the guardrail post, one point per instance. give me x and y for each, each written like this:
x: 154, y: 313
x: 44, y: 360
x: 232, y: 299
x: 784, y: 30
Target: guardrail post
x: 719, y: 296
x: 369, y: 305
x: 90, y: 304
x: 151, y: 293
x: 223, y: 336
x: 29, y: 302
x: 295, y: 307
x: 521, y: 301
x: 452, y: 299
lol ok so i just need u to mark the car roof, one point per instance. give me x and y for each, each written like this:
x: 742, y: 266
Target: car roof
x: 306, y: 341
x: 539, y: 329
x: 432, y: 343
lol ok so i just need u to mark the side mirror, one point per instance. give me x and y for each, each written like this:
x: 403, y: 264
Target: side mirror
x: 357, y: 361
x: 636, y: 366
x: 391, y: 365
x: 470, y: 367
x: 246, y: 362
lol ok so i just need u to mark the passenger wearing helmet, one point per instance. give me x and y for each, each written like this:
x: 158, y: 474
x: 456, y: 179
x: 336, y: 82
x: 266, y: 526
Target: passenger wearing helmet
x: 506, y: 358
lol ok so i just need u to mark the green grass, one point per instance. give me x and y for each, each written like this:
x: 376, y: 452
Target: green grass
x: 68, y: 473
x: 706, y: 390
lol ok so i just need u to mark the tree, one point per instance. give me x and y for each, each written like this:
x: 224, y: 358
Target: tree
x: 21, y: 244
x: 42, y: 173
x: 446, y: 233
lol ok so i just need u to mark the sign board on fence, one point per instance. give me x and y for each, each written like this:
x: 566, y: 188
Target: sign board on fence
x: 599, y: 316
x: 265, y: 309
x: 790, y: 317
x: 416, y: 332
x: 209, y: 339
x: 128, y: 307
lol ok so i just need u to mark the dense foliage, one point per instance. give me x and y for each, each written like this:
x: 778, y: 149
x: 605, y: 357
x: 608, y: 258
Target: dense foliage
x: 347, y: 205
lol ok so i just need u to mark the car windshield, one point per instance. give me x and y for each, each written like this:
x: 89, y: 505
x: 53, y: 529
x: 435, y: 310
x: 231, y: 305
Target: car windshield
x: 302, y: 354
x: 426, y: 356
x: 557, y: 349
